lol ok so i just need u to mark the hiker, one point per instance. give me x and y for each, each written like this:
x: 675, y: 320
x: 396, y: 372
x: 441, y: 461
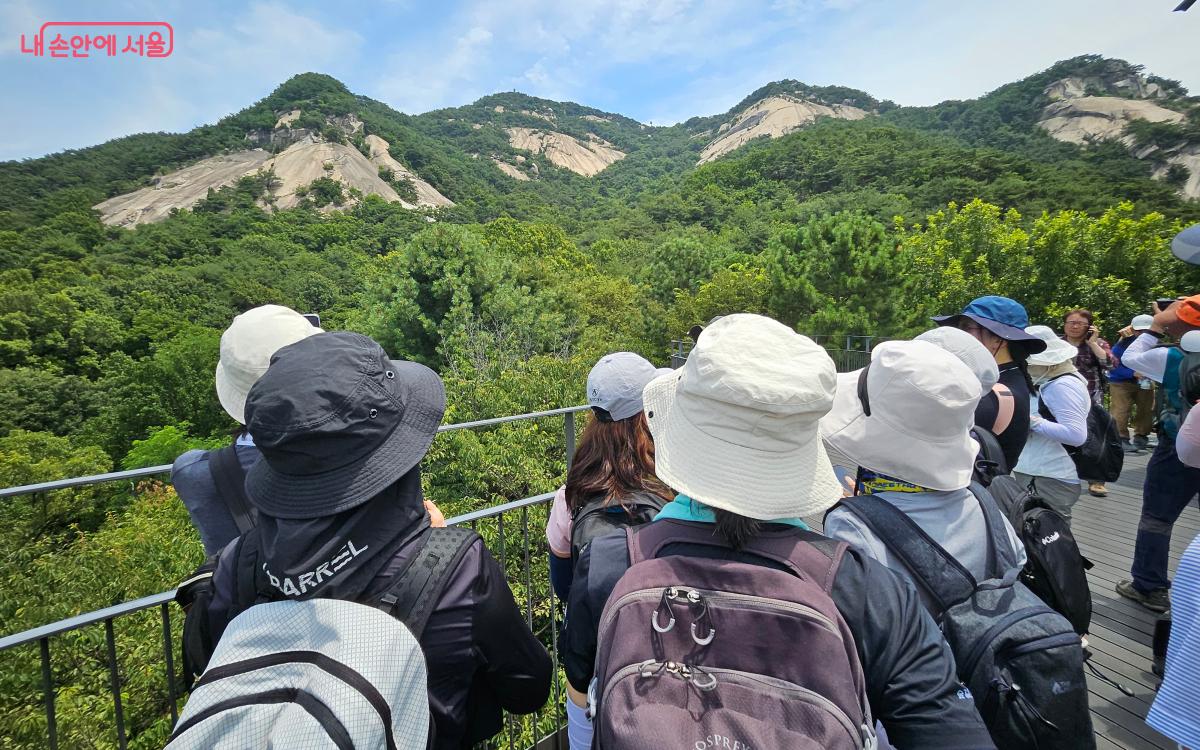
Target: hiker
x: 611, y: 477
x: 1176, y: 708
x: 1170, y: 484
x: 736, y: 437
x: 610, y: 483
x: 1092, y: 361
x: 914, y: 451
x: 999, y: 324
x: 342, y: 429
x: 990, y: 462
x: 211, y: 483
x: 1058, y: 413
x: 1132, y: 394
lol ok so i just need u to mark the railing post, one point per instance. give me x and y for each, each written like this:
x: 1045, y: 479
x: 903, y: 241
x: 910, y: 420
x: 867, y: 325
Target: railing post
x: 48, y: 690
x: 115, y: 682
x: 166, y: 623
x: 569, y: 433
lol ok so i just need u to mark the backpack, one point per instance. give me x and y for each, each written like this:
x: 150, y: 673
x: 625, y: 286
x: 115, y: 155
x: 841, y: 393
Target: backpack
x: 230, y: 480
x: 990, y: 461
x: 1020, y: 659
x: 285, y: 641
x: 1101, y: 456
x: 1180, y: 390
x: 690, y: 649
x: 596, y: 518
x: 1054, y: 569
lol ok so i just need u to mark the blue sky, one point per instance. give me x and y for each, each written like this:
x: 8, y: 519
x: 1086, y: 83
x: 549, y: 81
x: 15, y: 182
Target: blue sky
x: 658, y: 61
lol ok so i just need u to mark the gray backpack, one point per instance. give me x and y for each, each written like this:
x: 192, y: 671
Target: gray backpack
x: 320, y: 673
x: 1022, y: 661
x: 689, y: 650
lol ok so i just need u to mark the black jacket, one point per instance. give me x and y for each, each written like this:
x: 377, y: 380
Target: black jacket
x: 910, y: 672
x: 480, y: 654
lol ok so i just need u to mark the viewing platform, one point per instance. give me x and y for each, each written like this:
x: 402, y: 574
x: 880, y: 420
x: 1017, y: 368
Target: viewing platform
x: 1104, y: 527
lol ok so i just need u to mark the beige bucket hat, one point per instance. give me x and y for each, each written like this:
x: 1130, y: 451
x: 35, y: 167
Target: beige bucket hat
x: 736, y: 427
x: 908, y: 415
x: 247, y: 346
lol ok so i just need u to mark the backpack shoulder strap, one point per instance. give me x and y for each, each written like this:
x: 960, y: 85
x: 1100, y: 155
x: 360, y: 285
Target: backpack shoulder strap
x: 1006, y: 406
x: 935, y: 570
x: 1001, y: 558
x: 230, y: 480
x: 420, y: 583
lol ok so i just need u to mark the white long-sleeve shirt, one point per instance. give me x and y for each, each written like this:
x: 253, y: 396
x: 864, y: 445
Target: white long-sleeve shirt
x: 1044, y: 456
x: 1145, y: 356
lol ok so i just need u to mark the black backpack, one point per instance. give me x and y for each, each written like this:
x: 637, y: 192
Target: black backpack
x: 1020, y: 659
x: 1101, y: 455
x: 1054, y: 568
x: 595, y: 518
x: 990, y: 462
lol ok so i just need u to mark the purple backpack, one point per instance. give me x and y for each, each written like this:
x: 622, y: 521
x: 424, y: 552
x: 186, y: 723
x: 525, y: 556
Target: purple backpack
x: 698, y: 653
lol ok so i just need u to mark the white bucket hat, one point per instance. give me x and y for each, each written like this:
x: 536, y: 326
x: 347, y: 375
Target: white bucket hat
x: 968, y: 350
x: 1057, y: 351
x: 247, y: 346
x: 736, y: 427
x: 908, y: 415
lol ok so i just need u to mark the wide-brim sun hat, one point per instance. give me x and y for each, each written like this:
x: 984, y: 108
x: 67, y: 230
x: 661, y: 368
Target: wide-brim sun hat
x: 735, y: 428
x: 337, y: 422
x: 968, y: 350
x: 1056, y: 352
x: 1002, y: 316
x: 908, y: 415
x: 246, y: 349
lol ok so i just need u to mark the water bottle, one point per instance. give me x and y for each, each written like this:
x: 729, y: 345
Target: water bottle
x: 1145, y: 383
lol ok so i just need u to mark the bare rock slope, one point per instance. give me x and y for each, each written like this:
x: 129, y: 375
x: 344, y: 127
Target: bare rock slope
x: 582, y: 157
x: 1085, y: 110
x: 773, y: 116
x: 297, y: 166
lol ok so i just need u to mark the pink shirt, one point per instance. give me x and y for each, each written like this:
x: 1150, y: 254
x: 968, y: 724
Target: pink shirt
x: 558, y: 527
x: 1187, y: 443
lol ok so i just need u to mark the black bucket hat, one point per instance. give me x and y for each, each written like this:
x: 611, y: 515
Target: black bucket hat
x: 337, y: 422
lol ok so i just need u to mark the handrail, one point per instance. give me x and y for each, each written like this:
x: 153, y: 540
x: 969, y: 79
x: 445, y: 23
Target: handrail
x: 149, y: 471
x: 154, y: 600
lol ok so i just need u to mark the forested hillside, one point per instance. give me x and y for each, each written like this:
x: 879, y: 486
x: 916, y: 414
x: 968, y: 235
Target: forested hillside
x: 867, y: 223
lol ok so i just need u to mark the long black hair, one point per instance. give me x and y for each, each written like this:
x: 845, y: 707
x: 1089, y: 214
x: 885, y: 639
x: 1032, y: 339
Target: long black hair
x: 1020, y: 357
x: 735, y: 529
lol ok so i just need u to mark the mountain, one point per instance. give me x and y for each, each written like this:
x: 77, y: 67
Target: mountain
x: 314, y: 143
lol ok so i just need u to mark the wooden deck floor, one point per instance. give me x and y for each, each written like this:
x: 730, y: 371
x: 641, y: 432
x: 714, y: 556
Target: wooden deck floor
x: 1105, y: 529
x: 1121, y: 630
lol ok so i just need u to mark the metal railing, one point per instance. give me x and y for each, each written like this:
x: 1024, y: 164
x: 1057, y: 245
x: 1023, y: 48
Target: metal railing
x: 539, y: 608
x: 518, y: 559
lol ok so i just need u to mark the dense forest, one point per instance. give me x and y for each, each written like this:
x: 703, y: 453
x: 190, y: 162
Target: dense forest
x: 109, y: 335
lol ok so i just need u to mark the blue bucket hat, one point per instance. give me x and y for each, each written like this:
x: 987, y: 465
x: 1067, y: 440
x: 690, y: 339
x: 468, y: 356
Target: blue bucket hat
x: 1002, y: 316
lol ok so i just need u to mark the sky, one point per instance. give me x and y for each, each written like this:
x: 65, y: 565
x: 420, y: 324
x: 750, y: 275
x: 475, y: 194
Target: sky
x: 657, y: 61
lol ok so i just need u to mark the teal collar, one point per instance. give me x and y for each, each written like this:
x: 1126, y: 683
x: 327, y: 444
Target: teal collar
x: 684, y: 508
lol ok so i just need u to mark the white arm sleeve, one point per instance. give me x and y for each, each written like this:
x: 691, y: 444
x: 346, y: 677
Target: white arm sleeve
x: 1187, y: 443
x: 1068, y: 400
x: 1145, y: 356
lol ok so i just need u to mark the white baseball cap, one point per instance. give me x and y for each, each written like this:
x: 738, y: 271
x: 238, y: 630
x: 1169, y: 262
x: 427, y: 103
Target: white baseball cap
x: 247, y: 346
x: 615, y: 384
x: 1141, y: 322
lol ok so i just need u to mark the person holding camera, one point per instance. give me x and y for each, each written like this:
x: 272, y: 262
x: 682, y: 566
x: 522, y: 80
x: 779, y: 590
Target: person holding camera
x: 1093, y: 361
x: 1170, y: 483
